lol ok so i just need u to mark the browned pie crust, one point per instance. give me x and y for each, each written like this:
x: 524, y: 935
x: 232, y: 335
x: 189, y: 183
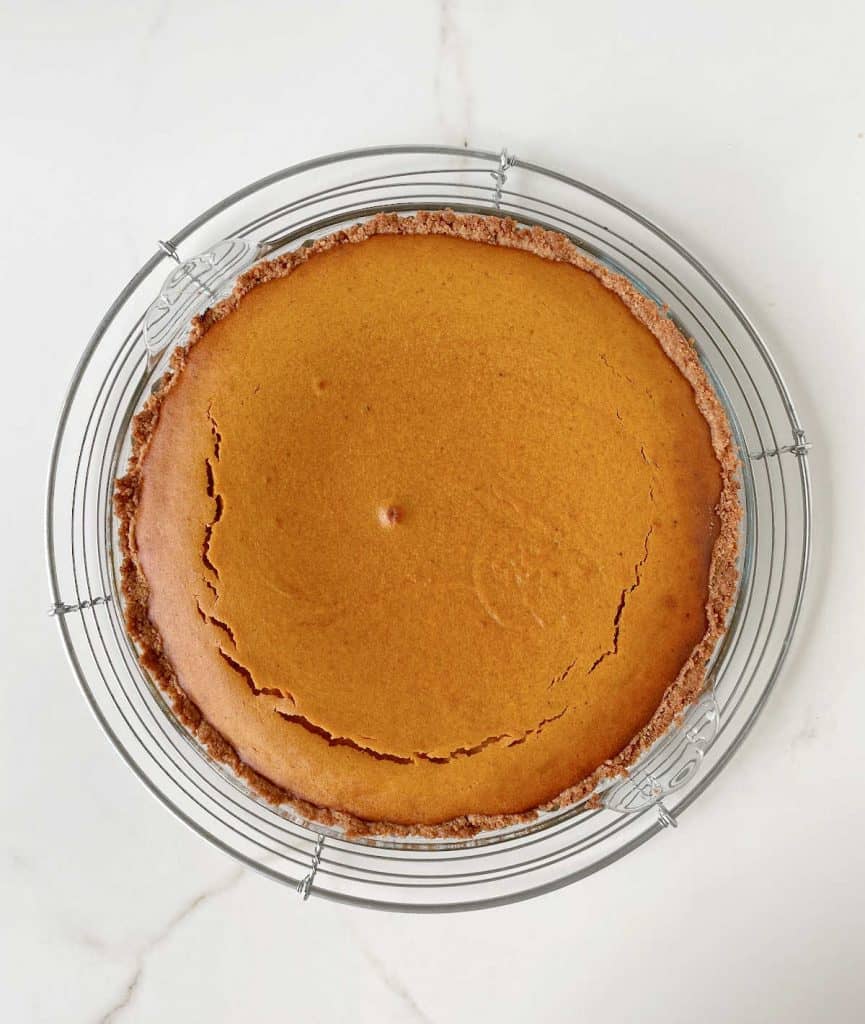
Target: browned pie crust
x: 493, y: 231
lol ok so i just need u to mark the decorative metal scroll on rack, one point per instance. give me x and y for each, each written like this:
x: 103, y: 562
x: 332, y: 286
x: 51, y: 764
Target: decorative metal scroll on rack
x: 128, y: 353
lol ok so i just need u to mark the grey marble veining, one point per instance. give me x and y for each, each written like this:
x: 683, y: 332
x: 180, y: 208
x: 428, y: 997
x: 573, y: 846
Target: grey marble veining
x: 159, y: 938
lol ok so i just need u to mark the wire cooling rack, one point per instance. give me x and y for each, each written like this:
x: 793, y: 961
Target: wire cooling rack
x: 127, y: 354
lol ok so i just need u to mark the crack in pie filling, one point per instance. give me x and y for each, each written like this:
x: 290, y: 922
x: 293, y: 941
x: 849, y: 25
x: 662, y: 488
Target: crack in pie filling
x: 431, y: 524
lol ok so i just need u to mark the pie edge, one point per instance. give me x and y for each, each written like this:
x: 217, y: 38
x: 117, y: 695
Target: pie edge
x: 723, y: 572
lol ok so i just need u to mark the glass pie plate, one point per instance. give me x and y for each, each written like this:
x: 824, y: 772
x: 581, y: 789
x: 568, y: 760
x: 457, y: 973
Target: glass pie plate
x: 128, y: 353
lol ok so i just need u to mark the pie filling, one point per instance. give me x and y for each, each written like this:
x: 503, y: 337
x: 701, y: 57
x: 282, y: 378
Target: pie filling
x: 432, y: 524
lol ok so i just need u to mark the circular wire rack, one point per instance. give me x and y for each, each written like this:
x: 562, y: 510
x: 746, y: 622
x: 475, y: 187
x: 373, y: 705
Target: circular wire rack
x: 128, y: 352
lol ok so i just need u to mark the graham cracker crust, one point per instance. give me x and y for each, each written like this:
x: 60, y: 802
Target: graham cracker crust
x: 723, y: 578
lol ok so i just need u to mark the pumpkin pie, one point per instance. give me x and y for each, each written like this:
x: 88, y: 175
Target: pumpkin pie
x: 432, y: 524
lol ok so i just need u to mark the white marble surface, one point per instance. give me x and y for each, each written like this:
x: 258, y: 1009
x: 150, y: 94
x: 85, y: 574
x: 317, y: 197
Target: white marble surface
x: 741, y: 130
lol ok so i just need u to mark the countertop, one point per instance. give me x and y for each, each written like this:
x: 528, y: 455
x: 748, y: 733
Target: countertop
x: 741, y: 130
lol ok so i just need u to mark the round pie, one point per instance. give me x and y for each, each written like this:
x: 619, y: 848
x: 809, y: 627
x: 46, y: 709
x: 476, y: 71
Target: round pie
x: 433, y: 523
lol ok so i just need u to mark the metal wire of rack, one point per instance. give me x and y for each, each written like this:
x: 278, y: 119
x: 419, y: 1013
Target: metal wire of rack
x: 127, y: 353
